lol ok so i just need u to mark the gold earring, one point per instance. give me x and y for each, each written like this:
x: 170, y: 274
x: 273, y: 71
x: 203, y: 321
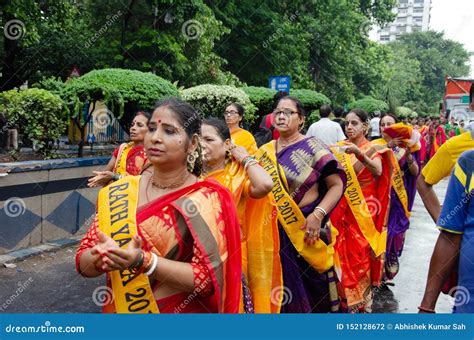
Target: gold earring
x: 191, y: 159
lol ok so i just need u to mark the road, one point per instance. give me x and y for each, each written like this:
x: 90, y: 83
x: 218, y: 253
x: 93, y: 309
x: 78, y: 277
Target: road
x: 48, y: 283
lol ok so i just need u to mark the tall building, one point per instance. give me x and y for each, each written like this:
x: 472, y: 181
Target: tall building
x: 412, y: 16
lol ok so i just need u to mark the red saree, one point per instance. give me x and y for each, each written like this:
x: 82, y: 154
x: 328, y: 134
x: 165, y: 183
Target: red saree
x: 198, y: 225
x: 133, y: 156
x: 360, y: 266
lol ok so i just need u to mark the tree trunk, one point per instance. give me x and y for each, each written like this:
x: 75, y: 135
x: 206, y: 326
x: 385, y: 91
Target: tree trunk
x: 10, y: 78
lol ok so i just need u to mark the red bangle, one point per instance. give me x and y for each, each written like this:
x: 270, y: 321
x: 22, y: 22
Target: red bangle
x: 427, y: 310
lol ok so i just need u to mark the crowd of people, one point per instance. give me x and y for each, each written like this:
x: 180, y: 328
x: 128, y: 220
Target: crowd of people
x: 200, y: 216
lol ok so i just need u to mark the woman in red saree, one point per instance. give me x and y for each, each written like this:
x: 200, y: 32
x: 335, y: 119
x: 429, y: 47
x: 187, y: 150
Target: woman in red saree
x: 129, y: 158
x: 234, y: 168
x: 166, y: 241
x: 361, y: 216
x: 437, y: 135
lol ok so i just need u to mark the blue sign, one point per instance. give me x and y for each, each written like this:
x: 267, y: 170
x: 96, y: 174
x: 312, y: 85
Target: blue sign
x: 90, y: 138
x: 280, y: 83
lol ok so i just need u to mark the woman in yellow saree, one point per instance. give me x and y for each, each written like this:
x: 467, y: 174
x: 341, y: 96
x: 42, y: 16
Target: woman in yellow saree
x: 235, y: 169
x: 166, y: 241
x: 128, y: 159
x: 234, y: 114
x: 361, y: 216
x: 308, y: 183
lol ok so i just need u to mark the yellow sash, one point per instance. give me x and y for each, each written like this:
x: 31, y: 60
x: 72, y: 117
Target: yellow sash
x: 320, y: 255
x: 121, y: 163
x: 358, y: 205
x: 117, y: 219
x: 397, y: 178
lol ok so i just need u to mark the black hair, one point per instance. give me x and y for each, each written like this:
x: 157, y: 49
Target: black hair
x: 240, y: 108
x: 297, y: 102
x: 146, y: 114
x: 363, y: 115
x: 338, y: 112
x: 220, y: 126
x: 279, y: 95
x: 325, y: 111
x: 397, y: 120
x: 190, y: 121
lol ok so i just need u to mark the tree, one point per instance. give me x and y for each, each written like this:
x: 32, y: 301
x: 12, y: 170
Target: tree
x: 123, y: 91
x: 437, y: 57
x: 28, y: 25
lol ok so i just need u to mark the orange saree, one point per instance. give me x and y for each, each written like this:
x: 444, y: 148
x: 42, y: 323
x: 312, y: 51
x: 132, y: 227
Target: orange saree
x: 361, y: 219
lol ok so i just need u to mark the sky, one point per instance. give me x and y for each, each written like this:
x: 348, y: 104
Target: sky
x: 456, y: 19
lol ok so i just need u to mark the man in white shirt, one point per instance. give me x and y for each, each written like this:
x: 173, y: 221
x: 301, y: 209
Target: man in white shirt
x: 325, y: 129
x: 375, y: 126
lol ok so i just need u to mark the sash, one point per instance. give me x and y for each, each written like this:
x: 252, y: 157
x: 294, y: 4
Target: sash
x: 117, y: 219
x: 320, y: 255
x: 397, y: 178
x: 359, y: 208
x: 120, y: 166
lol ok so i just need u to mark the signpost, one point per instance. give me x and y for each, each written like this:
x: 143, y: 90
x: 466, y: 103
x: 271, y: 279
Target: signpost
x: 74, y: 73
x: 280, y: 83
x: 91, y: 140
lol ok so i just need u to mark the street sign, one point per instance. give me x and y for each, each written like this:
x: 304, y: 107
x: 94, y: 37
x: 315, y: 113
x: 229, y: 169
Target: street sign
x: 280, y: 83
x: 74, y: 73
x: 90, y: 138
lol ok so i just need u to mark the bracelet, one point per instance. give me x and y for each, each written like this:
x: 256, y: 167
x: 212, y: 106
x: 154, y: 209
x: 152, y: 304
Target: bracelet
x: 115, y: 176
x: 427, y: 310
x: 153, y: 266
x: 245, y: 159
x: 321, y: 210
x: 249, y: 163
x: 318, y: 217
x: 138, y: 263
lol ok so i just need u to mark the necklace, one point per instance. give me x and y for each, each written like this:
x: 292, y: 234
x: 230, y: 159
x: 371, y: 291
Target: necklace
x: 289, y: 142
x: 173, y: 185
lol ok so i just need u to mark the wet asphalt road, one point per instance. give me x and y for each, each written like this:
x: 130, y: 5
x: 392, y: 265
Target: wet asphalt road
x: 48, y: 283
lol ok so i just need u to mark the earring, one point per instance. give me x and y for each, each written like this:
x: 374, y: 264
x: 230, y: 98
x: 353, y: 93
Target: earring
x: 191, y: 159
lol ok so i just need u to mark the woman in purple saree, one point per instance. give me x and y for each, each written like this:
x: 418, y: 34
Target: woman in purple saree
x: 309, y: 181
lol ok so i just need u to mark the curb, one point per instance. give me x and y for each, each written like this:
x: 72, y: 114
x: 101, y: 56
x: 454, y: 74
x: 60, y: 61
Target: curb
x: 22, y: 254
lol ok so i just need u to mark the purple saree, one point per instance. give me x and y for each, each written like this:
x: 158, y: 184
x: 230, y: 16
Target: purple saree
x: 306, y: 164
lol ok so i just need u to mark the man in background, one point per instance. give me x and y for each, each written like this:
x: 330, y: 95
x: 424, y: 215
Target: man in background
x: 375, y: 126
x: 325, y: 129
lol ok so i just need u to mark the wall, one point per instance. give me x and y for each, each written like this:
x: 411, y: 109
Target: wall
x: 43, y: 201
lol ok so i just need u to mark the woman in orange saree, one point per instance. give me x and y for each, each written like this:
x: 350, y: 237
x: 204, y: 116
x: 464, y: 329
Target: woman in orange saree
x: 234, y: 114
x: 128, y: 159
x: 166, y: 241
x: 361, y: 216
x: 239, y: 172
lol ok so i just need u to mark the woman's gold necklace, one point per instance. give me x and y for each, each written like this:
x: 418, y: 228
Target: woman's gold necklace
x: 173, y: 185
x: 289, y: 142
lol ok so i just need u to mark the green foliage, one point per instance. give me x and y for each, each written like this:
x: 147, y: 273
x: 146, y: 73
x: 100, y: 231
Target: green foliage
x: 123, y: 91
x: 311, y: 100
x: 435, y: 57
x: 261, y: 97
x: 52, y: 84
x: 312, y: 117
x: 405, y: 112
x: 370, y: 105
x: 211, y: 100
x: 39, y: 114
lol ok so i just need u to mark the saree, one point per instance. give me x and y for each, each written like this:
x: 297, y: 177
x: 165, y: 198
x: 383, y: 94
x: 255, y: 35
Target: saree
x: 244, y: 138
x: 198, y: 225
x: 308, y: 278
x: 423, y: 142
x: 438, y: 138
x: 400, y: 206
x: 361, y: 220
x: 130, y: 159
